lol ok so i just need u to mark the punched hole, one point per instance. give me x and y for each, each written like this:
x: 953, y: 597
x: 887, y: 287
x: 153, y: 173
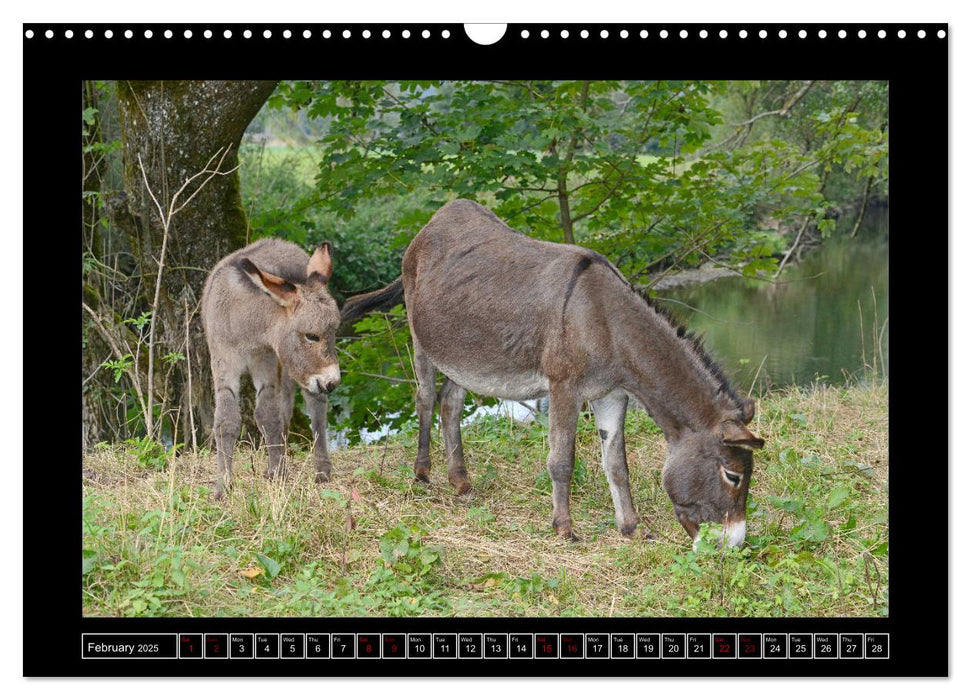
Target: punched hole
x: 485, y: 34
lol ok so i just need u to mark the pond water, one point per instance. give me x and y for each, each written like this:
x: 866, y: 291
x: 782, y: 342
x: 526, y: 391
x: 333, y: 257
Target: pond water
x: 825, y: 319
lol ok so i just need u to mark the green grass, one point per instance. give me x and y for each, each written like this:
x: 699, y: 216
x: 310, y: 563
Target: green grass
x: 262, y: 161
x: 373, y: 543
x: 303, y: 161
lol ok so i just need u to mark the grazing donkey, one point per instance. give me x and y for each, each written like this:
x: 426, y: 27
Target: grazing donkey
x: 504, y: 315
x: 266, y: 310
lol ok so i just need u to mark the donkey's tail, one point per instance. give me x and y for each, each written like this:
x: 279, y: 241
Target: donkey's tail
x: 357, y: 307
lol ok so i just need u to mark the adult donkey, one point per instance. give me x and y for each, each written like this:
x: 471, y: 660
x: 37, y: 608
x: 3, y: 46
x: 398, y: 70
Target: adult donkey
x: 266, y: 310
x: 504, y: 315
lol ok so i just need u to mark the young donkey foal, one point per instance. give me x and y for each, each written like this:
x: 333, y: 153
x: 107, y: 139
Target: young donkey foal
x: 504, y: 315
x: 266, y: 310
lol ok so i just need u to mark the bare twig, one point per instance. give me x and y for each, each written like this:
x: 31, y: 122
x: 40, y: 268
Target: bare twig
x: 703, y: 313
x: 120, y: 353
x: 96, y: 370
x: 866, y: 198
x: 396, y: 380
x: 166, y: 215
x: 529, y: 408
x: 859, y: 308
x: 746, y: 126
x: 188, y: 362
x: 757, y: 372
x: 795, y: 244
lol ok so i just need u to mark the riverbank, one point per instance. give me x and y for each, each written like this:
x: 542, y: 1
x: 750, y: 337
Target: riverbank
x: 374, y: 543
x: 683, y: 278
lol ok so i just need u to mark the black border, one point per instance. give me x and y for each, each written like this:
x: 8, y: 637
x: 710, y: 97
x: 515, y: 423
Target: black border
x: 918, y: 73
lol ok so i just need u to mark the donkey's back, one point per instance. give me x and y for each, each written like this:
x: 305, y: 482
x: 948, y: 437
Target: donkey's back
x: 466, y: 248
x: 486, y: 303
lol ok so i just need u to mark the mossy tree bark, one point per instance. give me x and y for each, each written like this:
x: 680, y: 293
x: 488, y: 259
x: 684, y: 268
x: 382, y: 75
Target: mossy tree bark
x: 174, y: 128
x: 93, y: 423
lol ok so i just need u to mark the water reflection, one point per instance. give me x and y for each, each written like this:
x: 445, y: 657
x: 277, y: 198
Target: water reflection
x: 826, y: 318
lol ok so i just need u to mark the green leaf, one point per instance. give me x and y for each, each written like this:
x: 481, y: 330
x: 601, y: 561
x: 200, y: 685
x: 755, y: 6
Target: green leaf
x: 790, y: 505
x: 270, y: 566
x: 829, y: 566
x: 400, y: 548
x: 811, y: 530
x: 881, y: 550
x: 89, y: 560
x: 837, y: 496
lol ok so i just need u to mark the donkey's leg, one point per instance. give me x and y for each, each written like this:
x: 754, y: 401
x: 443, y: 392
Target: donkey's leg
x: 288, y: 390
x: 425, y: 405
x: 609, y: 413
x: 227, y: 420
x: 564, y: 411
x: 317, y: 408
x: 269, y: 417
x: 451, y: 399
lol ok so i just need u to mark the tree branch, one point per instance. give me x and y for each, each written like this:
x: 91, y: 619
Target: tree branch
x: 174, y: 208
x: 795, y: 244
x: 783, y: 111
x: 866, y: 198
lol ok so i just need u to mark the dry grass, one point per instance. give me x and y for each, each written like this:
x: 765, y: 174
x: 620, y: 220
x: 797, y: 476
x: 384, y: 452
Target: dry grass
x: 157, y: 544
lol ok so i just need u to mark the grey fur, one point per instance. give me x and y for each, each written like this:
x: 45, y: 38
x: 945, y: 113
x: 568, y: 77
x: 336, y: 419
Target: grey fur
x: 504, y: 315
x: 259, y: 306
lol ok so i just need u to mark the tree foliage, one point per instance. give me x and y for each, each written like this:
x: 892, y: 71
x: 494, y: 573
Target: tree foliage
x: 627, y: 168
x: 656, y: 175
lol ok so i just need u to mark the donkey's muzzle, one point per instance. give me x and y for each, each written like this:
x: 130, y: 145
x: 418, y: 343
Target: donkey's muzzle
x: 730, y: 535
x: 326, y: 381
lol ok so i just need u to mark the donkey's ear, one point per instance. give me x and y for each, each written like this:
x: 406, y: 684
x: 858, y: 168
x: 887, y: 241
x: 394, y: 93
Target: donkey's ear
x: 320, y: 266
x: 734, y: 433
x: 278, y: 289
x: 748, y: 409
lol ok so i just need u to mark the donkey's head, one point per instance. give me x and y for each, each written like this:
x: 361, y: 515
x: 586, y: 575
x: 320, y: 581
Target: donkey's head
x: 707, y: 474
x: 305, y: 322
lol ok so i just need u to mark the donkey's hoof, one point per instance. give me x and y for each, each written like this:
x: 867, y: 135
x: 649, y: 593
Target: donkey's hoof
x: 422, y: 475
x: 322, y: 477
x: 566, y: 532
x: 462, y: 486
x: 638, y: 531
x: 219, y: 493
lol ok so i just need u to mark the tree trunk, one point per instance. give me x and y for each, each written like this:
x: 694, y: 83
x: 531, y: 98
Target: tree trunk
x: 93, y: 425
x: 174, y: 128
x: 562, y: 178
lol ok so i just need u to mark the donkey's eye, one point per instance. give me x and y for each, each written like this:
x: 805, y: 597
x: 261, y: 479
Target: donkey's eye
x: 732, y: 478
x: 312, y: 338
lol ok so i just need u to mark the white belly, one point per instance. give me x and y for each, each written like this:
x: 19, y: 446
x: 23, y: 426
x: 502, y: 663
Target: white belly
x: 515, y: 386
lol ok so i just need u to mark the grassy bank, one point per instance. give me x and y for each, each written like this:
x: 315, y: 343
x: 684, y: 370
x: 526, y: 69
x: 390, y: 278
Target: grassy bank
x: 372, y: 542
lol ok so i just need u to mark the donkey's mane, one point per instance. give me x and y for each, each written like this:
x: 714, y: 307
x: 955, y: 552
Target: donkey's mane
x: 695, y: 344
